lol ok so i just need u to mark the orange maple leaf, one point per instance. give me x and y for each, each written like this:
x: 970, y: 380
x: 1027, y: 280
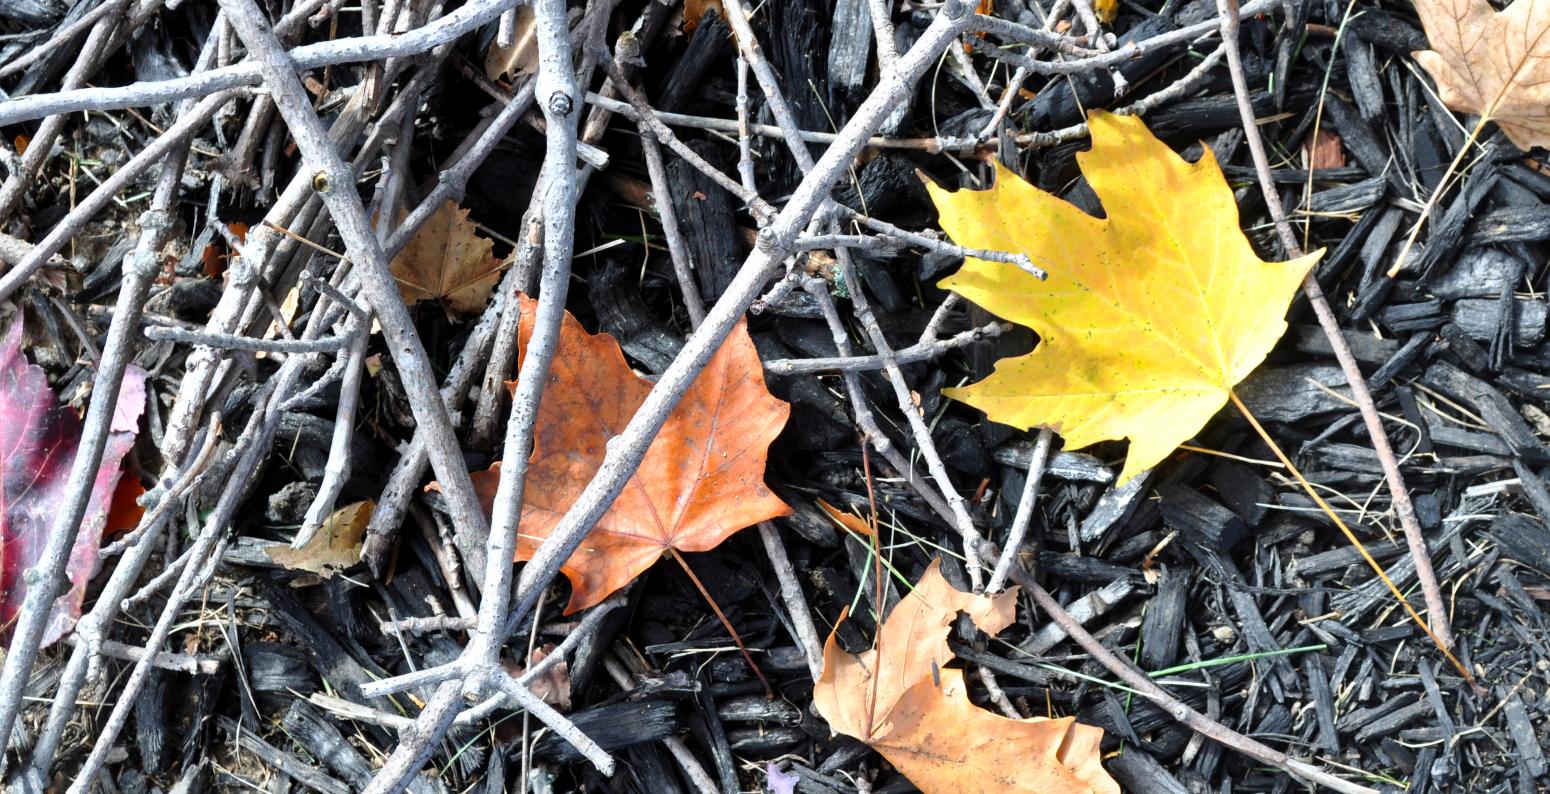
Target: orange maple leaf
x: 701, y: 480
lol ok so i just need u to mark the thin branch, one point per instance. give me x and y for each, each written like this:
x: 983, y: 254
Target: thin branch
x: 627, y: 449
x: 1160, y: 697
x: 334, y: 179
x: 1436, y: 608
x: 248, y: 73
x: 46, y: 578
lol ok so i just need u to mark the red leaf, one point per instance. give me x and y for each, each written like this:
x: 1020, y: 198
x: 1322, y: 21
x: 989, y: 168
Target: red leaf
x: 38, y: 441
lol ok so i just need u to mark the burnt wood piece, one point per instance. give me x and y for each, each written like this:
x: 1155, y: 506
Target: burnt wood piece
x: 1524, y: 540
x: 1388, y: 31
x: 1362, y: 144
x: 1513, y: 223
x: 850, y: 51
x: 1407, y: 354
x: 884, y: 185
x: 1371, y: 593
x: 1403, y: 318
x: 304, y: 772
x: 1366, y: 348
x: 1077, y: 466
x: 36, y: 14
x: 713, y: 734
x: 1288, y: 394
x: 1166, y: 620
x: 1478, y: 273
x: 1490, y: 405
x: 317, y: 735
x: 1455, y: 345
x: 151, y: 722
x: 325, y: 655
x: 1209, y: 532
x: 614, y: 727
x: 1362, y: 75
x: 1088, y: 570
x: 622, y: 313
x: 1444, y: 234
x: 1114, y: 508
x: 707, y: 220
x: 1243, y: 490
x: 1534, y: 488
x: 1139, y: 771
x: 1481, y: 320
x: 1354, y: 197
x: 1323, y: 703
x: 709, y: 46
x: 1530, y: 752
x: 1338, y: 559
x: 792, y: 33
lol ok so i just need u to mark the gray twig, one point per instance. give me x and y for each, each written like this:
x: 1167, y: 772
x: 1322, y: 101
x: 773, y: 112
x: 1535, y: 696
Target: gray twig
x: 1436, y: 607
x: 627, y: 449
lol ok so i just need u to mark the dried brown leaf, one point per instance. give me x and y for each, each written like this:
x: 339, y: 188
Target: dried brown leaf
x: 447, y: 262
x: 1494, y: 64
x: 334, y: 548
x: 521, y: 57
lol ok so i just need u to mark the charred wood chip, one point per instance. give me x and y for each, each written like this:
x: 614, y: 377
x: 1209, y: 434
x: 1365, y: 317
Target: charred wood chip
x: 1523, y: 539
x: 1349, y: 198
x: 1287, y: 394
x: 1490, y: 405
x: 1366, y: 348
x: 1389, y: 31
x: 1480, y: 319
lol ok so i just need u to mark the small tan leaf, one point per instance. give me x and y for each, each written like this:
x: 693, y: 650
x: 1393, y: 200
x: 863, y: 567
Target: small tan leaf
x: 446, y: 261
x: 336, y: 546
x: 522, y: 56
x: 1494, y: 64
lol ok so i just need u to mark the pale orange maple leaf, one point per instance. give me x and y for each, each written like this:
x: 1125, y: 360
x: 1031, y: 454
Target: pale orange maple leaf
x: 899, y: 699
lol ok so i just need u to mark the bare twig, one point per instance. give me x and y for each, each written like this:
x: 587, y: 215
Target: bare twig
x: 1436, y: 608
x: 791, y: 593
x: 140, y: 269
x: 925, y: 351
x: 479, y: 666
x: 962, y: 521
x: 1020, y: 521
x: 1174, y: 707
x: 334, y: 180
x: 44, y: 579
x: 248, y: 73
x: 627, y: 449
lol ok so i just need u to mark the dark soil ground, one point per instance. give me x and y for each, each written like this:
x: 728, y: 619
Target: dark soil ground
x: 1213, y: 555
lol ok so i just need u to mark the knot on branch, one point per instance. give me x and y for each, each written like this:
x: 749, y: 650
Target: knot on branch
x: 560, y: 104
x: 769, y: 242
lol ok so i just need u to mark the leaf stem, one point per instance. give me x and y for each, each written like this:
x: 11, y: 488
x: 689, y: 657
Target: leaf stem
x: 1431, y: 201
x: 736, y: 638
x: 1351, y: 536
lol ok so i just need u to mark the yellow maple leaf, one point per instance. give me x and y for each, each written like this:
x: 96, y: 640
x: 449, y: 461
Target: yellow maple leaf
x: 1494, y: 64
x: 899, y: 699
x: 1148, y: 318
x: 446, y: 261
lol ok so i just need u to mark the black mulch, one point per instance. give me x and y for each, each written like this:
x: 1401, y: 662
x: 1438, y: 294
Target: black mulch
x: 1214, y: 556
